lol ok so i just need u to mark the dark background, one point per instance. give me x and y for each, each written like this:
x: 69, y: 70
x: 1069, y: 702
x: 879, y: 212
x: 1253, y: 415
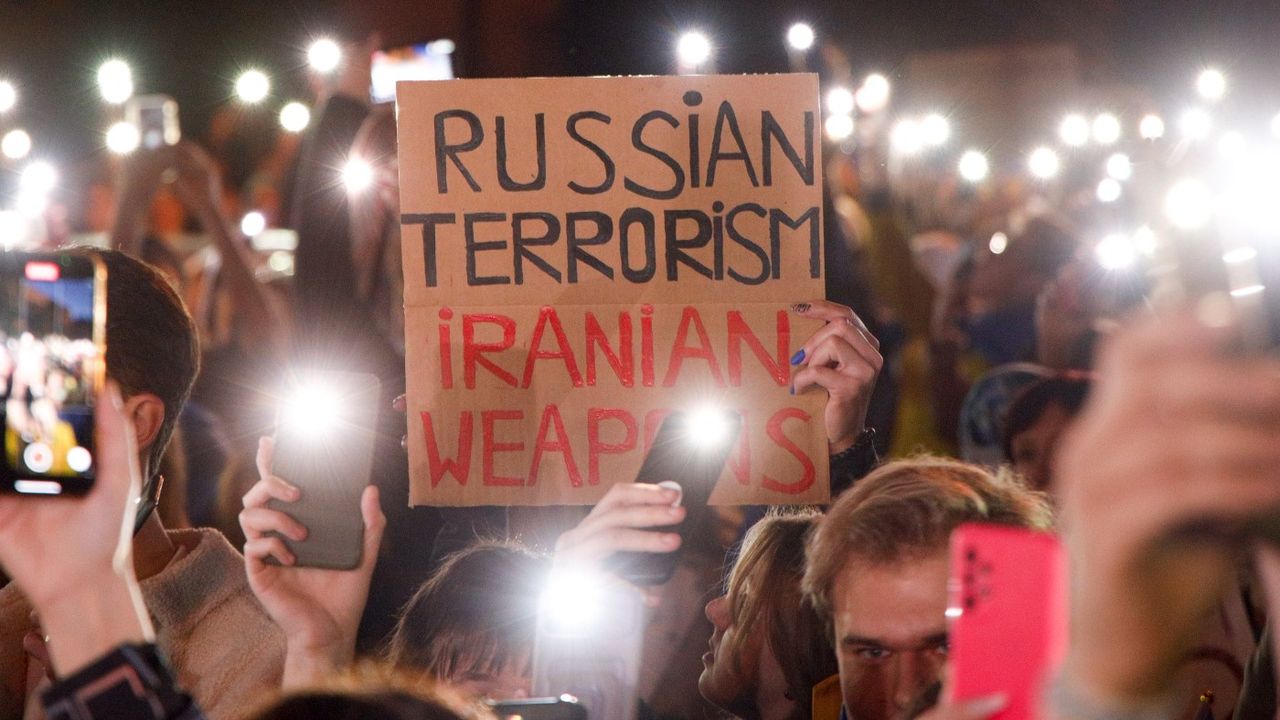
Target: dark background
x: 194, y: 50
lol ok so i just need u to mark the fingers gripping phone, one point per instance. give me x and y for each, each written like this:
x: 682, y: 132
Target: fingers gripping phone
x: 691, y: 449
x: 326, y: 428
x: 1008, y: 615
x: 52, y: 366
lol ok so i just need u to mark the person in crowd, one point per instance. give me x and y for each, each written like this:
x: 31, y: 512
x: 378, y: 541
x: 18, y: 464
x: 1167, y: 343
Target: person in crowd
x: 770, y: 649
x: 1035, y: 423
x: 472, y: 623
x: 192, y: 580
x: 986, y: 407
x: 877, y: 567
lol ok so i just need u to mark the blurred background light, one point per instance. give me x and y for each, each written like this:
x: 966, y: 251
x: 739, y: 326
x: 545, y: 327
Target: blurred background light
x: 1189, y: 204
x: 1106, y: 129
x: 1195, y: 124
x: 693, y: 49
x: 115, y: 81
x: 357, y: 175
x: 1211, y: 84
x: 1151, y: 127
x: 253, y: 86
x: 839, y: 101
x: 873, y: 95
x: 324, y: 55
x: 800, y: 36
x: 973, y: 166
x: 935, y: 130
x: 122, y: 138
x: 1116, y: 252
x: 8, y: 96
x: 1044, y: 163
x: 16, y: 144
x: 1119, y: 166
x: 907, y: 137
x: 295, y: 117
x: 253, y: 223
x: 1074, y: 130
x: 1109, y: 190
x: 838, y: 127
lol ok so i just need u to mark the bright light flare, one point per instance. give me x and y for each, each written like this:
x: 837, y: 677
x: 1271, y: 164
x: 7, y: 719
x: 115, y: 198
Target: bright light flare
x: 357, y: 175
x: 295, y: 117
x: 693, y: 49
x: 838, y: 127
x: 253, y: 86
x: 1074, y: 130
x: 1189, y: 204
x: 8, y: 96
x: 253, y: 223
x: 115, y: 81
x: 707, y: 426
x: 311, y: 411
x: 974, y: 166
x: 1211, y: 84
x: 1116, y: 252
x: 935, y: 130
x: 1151, y: 127
x: 13, y: 227
x: 39, y: 177
x: 800, y: 36
x: 573, y: 601
x: 1195, y: 124
x: 324, y: 55
x: 998, y: 243
x: 1144, y: 240
x: 1119, y: 167
x: 1109, y: 190
x: 839, y: 101
x: 873, y: 96
x: 16, y: 144
x: 1106, y: 129
x: 123, y: 138
x: 1044, y: 163
x: 907, y: 137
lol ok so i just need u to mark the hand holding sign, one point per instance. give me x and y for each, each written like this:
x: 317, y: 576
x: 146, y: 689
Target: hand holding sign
x: 844, y: 359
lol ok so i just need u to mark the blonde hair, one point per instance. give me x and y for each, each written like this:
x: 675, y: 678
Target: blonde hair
x: 908, y: 508
x: 764, y: 594
x: 373, y: 691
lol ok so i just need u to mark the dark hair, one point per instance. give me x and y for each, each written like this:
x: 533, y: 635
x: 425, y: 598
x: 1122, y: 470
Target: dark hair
x: 152, y: 344
x: 1068, y: 391
x: 477, y: 613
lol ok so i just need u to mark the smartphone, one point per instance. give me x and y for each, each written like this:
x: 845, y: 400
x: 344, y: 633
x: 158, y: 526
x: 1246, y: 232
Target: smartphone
x: 691, y: 448
x: 591, y: 648
x: 423, y: 61
x: 565, y: 707
x: 156, y: 118
x: 52, y: 366
x: 1007, y: 615
x: 326, y: 429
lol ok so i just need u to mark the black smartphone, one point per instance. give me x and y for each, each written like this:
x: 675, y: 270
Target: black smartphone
x: 326, y: 429
x: 565, y: 707
x: 691, y: 448
x: 52, y: 366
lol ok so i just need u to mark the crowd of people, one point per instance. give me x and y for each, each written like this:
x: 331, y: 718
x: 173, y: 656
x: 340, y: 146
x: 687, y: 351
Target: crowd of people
x: 966, y: 382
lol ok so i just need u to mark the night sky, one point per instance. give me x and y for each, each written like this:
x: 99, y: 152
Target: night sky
x: 194, y: 50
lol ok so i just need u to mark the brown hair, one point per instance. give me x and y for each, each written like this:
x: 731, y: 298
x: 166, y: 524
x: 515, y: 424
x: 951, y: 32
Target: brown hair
x: 372, y: 692
x: 764, y: 594
x: 477, y: 613
x: 152, y: 344
x: 908, y: 508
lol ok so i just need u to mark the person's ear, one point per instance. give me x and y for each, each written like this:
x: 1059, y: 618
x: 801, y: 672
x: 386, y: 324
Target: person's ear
x: 146, y: 410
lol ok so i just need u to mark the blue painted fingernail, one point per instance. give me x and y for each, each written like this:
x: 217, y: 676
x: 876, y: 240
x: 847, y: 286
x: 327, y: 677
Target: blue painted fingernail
x: 798, y: 357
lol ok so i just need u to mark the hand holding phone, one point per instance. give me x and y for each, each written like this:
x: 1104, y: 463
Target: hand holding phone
x: 565, y: 707
x: 318, y: 609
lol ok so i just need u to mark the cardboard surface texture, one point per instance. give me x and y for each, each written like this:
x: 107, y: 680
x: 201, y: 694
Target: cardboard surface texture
x: 582, y: 255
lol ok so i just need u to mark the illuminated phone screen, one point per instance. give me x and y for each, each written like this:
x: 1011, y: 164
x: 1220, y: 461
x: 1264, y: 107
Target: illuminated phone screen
x: 425, y: 61
x: 50, y: 359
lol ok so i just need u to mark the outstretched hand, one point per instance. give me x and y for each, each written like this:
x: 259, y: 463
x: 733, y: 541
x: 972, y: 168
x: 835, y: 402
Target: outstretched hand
x: 843, y: 358
x: 318, y: 609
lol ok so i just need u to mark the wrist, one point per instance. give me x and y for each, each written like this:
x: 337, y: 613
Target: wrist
x: 100, y: 613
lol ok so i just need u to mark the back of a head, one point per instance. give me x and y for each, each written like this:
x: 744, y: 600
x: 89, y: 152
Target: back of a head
x: 765, y: 595
x: 907, y: 509
x: 372, y: 693
x: 1067, y: 391
x: 152, y: 344
x: 476, y: 614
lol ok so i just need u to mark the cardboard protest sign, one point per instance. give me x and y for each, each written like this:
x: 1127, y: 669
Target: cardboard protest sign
x: 583, y: 255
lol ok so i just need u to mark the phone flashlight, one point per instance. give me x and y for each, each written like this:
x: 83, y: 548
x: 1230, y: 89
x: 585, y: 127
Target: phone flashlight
x: 312, y: 411
x: 707, y: 427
